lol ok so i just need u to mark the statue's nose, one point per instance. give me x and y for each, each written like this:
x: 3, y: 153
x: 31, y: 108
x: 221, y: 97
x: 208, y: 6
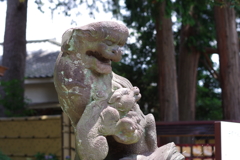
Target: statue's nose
x: 116, y: 51
x: 117, y: 55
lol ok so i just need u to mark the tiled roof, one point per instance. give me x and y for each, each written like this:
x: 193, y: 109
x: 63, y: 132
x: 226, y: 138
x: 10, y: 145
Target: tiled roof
x: 40, y: 64
x: 40, y: 60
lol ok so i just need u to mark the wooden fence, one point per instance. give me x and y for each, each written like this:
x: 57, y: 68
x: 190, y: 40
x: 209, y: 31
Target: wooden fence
x: 22, y: 138
x: 201, y: 145
x: 68, y: 138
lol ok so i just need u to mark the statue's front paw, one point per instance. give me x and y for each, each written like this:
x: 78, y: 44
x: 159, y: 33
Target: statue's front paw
x: 137, y: 93
x: 167, y: 152
x: 128, y: 131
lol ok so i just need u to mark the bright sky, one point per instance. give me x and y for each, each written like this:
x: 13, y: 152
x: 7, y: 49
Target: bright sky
x: 43, y: 26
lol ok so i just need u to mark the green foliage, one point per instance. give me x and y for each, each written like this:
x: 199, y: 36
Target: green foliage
x: 208, y: 101
x: 42, y: 156
x: 141, y: 63
x: 199, y: 16
x: 13, y: 101
x: 39, y: 156
x: 231, y: 3
x: 3, y: 156
x: 93, y: 7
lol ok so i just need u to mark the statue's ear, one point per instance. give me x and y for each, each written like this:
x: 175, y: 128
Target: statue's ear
x: 77, y: 33
x: 66, y: 37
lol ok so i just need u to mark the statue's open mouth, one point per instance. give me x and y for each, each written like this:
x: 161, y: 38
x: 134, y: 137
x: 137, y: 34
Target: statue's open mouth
x: 99, y: 57
x: 99, y: 63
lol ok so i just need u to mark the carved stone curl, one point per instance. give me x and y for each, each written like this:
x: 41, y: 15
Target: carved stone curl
x: 102, y: 105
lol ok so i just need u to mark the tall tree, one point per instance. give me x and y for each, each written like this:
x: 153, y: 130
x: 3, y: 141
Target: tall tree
x: 167, y: 85
x: 187, y: 69
x: 228, y: 49
x: 14, y: 47
x: 196, y: 33
x: 153, y: 54
x: 187, y: 76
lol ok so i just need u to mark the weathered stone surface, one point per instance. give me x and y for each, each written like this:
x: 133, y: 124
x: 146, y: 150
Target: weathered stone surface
x: 102, y: 105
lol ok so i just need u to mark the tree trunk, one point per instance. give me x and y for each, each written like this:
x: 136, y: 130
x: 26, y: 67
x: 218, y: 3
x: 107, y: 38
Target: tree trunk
x: 187, y: 79
x: 168, y: 98
x: 187, y: 76
x: 14, y: 48
x: 227, y: 42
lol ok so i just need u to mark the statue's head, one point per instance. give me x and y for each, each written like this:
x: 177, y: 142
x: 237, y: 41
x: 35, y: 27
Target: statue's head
x: 98, y: 44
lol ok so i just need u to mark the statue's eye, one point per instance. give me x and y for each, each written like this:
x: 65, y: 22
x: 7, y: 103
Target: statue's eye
x: 109, y: 43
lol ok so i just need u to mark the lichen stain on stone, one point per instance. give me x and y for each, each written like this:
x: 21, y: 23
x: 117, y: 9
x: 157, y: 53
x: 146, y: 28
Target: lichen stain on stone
x: 78, y: 55
x: 71, y: 45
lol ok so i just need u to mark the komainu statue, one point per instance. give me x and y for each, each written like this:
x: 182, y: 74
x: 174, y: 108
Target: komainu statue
x: 102, y: 105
